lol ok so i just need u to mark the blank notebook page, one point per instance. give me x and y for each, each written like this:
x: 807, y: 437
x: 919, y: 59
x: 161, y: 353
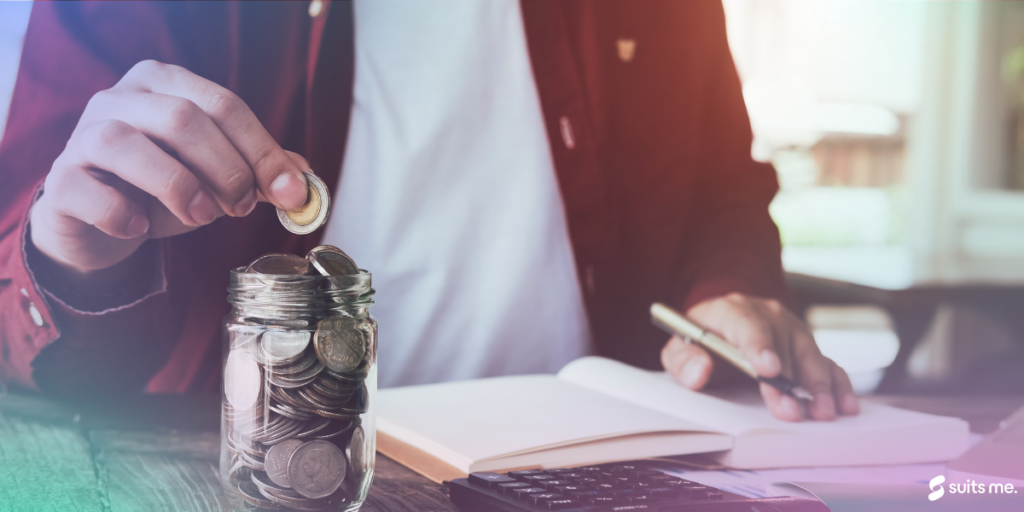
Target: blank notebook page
x: 734, y: 413
x: 463, y: 422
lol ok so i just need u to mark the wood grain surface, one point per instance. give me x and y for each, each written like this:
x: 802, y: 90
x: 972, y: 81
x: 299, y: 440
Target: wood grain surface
x: 149, y: 453
x: 159, y: 453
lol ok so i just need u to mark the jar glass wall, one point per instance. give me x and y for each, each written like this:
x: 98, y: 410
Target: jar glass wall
x: 300, y: 379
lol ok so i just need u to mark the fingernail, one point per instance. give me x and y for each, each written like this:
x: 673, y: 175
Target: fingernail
x: 202, y: 210
x: 246, y: 204
x: 770, y: 363
x: 850, y: 404
x: 289, y: 190
x: 824, y: 407
x: 138, y: 226
x: 692, y: 372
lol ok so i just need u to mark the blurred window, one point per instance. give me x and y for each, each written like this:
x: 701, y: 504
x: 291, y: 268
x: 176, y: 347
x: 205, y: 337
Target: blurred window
x: 897, y: 130
x: 830, y: 86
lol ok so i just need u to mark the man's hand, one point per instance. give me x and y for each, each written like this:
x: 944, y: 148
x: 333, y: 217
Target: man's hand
x: 774, y: 341
x: 159, y: 154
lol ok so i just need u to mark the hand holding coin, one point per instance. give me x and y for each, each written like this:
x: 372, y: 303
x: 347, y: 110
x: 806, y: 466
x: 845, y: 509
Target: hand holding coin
x: 161, y: 153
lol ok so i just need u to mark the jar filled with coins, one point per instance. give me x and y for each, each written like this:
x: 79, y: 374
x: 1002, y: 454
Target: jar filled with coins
x: 300, y: 376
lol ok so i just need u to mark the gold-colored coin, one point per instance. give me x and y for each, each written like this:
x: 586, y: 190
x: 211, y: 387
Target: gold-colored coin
x: 311, y: 215
x: 306, y: 213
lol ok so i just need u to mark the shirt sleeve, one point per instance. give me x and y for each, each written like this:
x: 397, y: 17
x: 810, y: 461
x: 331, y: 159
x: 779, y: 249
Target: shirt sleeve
x: 70, y: 52
x: 732, y: 244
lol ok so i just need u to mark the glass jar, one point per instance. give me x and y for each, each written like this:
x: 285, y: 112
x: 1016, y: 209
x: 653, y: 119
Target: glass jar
x: 298, y: 394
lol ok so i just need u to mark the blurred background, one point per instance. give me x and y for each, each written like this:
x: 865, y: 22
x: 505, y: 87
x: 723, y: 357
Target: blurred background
x: 897, y: 131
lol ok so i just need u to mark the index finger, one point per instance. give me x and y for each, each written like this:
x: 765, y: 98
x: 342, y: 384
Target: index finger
x: 278, y: 177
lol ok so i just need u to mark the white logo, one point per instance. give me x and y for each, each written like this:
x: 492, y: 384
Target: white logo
x: 936, y: 482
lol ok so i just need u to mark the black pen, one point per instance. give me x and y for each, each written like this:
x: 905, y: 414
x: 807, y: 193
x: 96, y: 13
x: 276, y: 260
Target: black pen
x: 674, y: 323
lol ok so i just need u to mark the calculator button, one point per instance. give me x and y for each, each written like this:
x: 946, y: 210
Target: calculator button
x: 536, y: 479
x: 625, y: 493
x: 589, y: 469
x: 586, y: 494
x: 508, y: 488
x: 660, y: 477
x: 644, y: 473
x: 606, y: 500
x: 643, y: 485
x: 608, y: 486
x: 557, y: 472
x: 569, y: 489
x: 518, y: 475
x: 570, y: 476
x: 642, y: 498
x: 676, y: 484
x: 525, y: 492
x: 490, y: 480
x: 551, y: 484
x: 699, y: 492
x: 588, y: 482
x: 663, y: 492
x: 624, y: 469
x: 715, y: 496
x: 561, y: 504
x: 541, y: 499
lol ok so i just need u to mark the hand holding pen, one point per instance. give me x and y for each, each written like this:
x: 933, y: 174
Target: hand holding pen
x: 766, y: 342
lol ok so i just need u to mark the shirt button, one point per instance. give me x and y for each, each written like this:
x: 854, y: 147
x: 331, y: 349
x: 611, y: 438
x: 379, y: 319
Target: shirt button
x: 567, y: 136
x: 315, y: 8
x: 34, y: 313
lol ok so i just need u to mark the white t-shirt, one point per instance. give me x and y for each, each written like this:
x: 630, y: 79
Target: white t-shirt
x: 449, y: 197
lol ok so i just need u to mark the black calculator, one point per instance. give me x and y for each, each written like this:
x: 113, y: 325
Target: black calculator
x: 607, y: 488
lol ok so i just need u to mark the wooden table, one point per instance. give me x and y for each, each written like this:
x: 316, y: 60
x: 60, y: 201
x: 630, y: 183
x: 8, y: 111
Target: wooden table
x: 156, y: 453
x: 152, y: 453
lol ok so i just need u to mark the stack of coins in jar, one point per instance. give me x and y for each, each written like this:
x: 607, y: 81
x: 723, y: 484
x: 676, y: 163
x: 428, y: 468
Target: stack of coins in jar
x: 297, y: 425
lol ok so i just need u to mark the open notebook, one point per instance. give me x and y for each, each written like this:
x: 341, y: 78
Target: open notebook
x: 598, y: 410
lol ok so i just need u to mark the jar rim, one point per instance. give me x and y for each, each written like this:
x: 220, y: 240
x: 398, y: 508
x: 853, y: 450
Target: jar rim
x: 300, y: 291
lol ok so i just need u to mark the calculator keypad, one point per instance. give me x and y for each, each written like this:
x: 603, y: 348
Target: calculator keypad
x: 620, y: 484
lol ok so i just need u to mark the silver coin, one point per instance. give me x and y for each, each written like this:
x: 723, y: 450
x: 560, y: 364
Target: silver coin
x: 279, y: 265
x: 241, y: 380
x: 277, y: 461
x: 298, y: 380
x: 289, y: 411
x: 291, y: 500
x: 288, y: 384
x: 262, y: 480
x: 331, y: 261
x: 358, y: 404
x: 338, y: 428
x: 242, y: 336
x: 321, y: 424
x: 283, y: 345
x: 340, y: 344
x: 313, y: 213
x: 316, y: 469
x: 356, y: 456
x: 286, y: 431
x: 251, y: 495
x: 294, y: 366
